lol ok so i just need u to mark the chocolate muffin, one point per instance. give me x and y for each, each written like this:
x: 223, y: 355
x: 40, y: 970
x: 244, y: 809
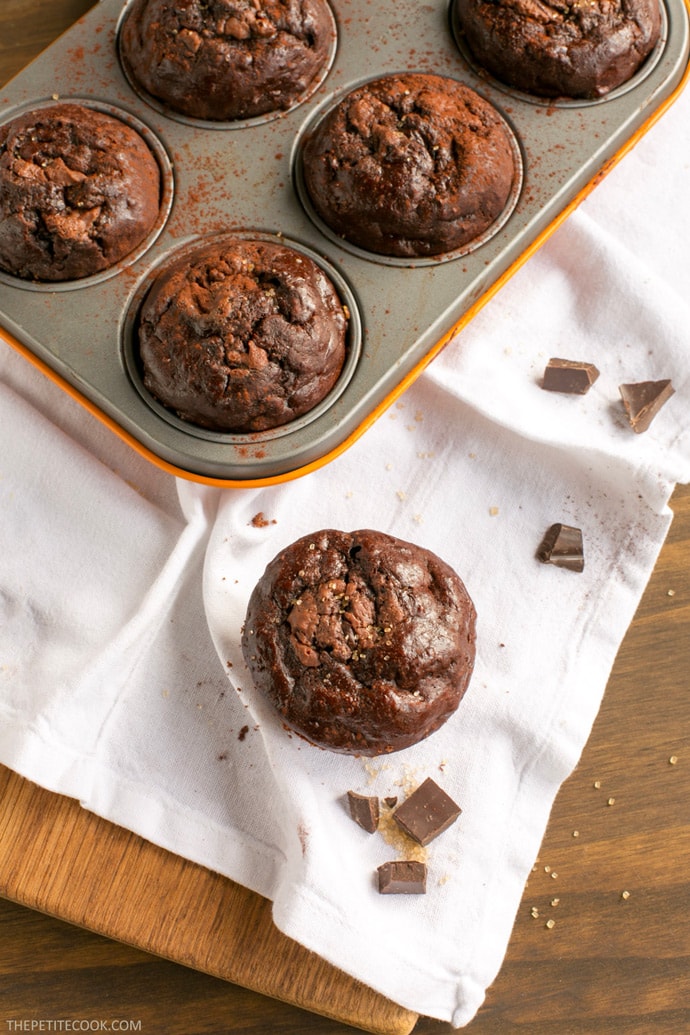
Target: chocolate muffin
x: 409, y: 165
x: 241, y: 335
x: 226, y: 59
x: 560, y: 48
x: 79, y: 190
x: 364, y: 644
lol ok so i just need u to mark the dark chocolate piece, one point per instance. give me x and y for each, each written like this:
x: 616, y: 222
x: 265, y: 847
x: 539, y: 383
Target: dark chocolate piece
x: 570, y: 376
x: 364, y: 809
x: 642, y: 401
x: 562, y: 546
x: 402, y: 877
x: 426, y: 813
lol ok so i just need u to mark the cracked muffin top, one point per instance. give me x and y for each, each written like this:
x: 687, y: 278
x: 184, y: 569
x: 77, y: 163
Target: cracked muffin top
x: 241, y: 335
x: 226, y: 59
x: 409, y: 165
x: 560, y: 48
x: 363, y: 643
x: 79, y: 190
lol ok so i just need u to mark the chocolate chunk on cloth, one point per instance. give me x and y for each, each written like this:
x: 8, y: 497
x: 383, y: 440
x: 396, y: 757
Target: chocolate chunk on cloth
x: 364, y: 809
x: 569, y: 48
x: 562, y: 545
x: 642, y: 401
x: 427, y: 812
x: 402, y: 877
x: 569, y: 376
x: 410, y: 165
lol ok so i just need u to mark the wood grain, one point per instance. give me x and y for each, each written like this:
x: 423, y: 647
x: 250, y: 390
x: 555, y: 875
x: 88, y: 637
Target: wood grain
x: 28, y: 26
x: 57, y: 858
x: 609, y: 964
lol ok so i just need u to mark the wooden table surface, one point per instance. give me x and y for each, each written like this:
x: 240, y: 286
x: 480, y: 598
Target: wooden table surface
x: 614, y: 878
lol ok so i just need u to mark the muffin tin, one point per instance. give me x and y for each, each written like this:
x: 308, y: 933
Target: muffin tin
x: 244, y: 178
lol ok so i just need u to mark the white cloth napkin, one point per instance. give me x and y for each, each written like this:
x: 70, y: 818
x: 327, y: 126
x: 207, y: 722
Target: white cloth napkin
x: 122, y: 595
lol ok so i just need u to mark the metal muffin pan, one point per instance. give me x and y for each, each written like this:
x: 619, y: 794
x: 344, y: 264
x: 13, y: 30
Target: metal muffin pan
x: 244, y: 178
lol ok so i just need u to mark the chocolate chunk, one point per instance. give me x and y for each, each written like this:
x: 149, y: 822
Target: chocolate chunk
x: 562, y: 546
x: 364, y: 810
x: 402, y: 877
x: 426, y: 813
x: 565, y: 375
x: 642, y: 401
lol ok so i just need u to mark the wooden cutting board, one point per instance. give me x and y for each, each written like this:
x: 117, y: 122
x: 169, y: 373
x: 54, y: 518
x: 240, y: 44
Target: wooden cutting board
x: 57, y: 858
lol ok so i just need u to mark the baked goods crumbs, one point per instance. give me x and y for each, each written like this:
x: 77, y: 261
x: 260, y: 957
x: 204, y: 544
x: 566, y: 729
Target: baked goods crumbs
x: 261, y: 521
x: 427, y: 812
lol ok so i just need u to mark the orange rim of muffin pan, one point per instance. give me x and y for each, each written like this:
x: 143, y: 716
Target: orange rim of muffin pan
x: 659, y: 87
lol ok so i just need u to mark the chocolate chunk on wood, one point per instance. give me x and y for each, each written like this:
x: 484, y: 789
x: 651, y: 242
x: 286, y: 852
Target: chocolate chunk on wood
x: 562, y: 546
x: 567, y: 375
x: 426, y: 813
x: 364, y: 809
x: 402, y: 877
x: 643, y: 400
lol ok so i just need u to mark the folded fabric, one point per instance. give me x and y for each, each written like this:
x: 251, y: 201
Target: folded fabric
x: 123, y: 595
